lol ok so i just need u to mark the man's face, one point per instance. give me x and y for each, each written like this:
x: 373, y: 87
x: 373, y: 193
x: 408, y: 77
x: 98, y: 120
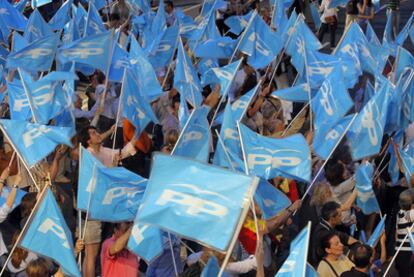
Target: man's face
x: 337, y: 219
x: 168, y: 8
x: 94, y: 137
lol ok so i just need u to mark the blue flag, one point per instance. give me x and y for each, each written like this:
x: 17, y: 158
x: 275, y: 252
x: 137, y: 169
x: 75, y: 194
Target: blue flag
x: 120, y: 61
x: 319, y: 66
x: 4, y: 31
x: 314, y: 9
x: 336, y: 3
x: 38, y: 55
x: 185, y: 79
x: 5, y: 193
x: 12, y: 17
x: 270, y: 200
x: 134, y: 107
x: 18, y: 102
x: 260, y: 43
x: 272, y: 157
x: 297, y: 93
x: 159, y: 23
x: 18, y: 42
x: 404, y: 60
x: 222, y: 75
x: 160, y: 54
x: 194, y: 141
x: 143, y: 70
x: 366, y: 198
x: 280, y: 19
x: 240, y: 106
x: 403, y: 34
x: 80, y: 17
x: 219, y: 48
x: 371, y: 35
x: 39, y: 3
x: 145, y: 241
x: 36, y: 28
x: 377, y: 232
x: 70, y: 32
x: 94, y: 23
x: 206, y: 64
x: 212, y: 268
x: 21, y: 5
x: 365, y: 135
x: 113, y: 194
x: 190, y: 194
x: 34, y: 141
x: 407, y: 161
x: 48, y: 235
x: 93, y: 50
x: 238, y: 23
x: 295, y: 264
x: 393, y: 167
x: 183, y: 112
x: 61, y: 17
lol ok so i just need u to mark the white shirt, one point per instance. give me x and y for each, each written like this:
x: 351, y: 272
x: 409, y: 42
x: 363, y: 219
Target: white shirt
x: 326, y: 11
x: 105, y: 154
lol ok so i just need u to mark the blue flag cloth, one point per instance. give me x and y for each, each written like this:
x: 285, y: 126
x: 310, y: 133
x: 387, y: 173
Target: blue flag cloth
x: 374, y: 238
x: 260, y: 43
x: 143, y: 70
x: 326, y: 138
x: 115, y: 193
x: 80, y: 17
x: 366, y: 198
x: 332, y: 101
x: 159, y: 23
x: 194, y: 141
x: 240, y: 106
x: 134, y: 107
x: 36, y: 28
x: 295, y: 264
x: 319, y: 66
x: 94, y: 23
x: 407, y: 161
x: 93, y: 50
x: 270, y: 200
x: 145, y: 241
x: 206, y: 64
x: 206, y: 29
x: 18, y: 102
x: 183, y: 112
x: 120, y: 61
x: 403, y: 34
x: 18, y: 42
x: 34, y: 141
x: 190, y: 194
x: 222, y: 75
x: 160, y: 54
x: 48, y: 235
x: 212, y: 268
x: 393, y: 167
x: 70, y: 32
x: 314, y: 9
x: 297, y: 93
x: 38, y: 55
x: 99, y: 4
x: 310, y: 271
x: 5, y: 193
x: 4, y: 31
x: 12, y: 17
x: 61, y: 17
x: 371, y: 35
x: 21, y: 5
x: 272, y: 157
x: 280, y: 19
x: 39, y: 3
x: 404, y: 60
x: 365, y: 135
x: 336, y: 3
x: 220, y: 48
x: 185, y: 79
x: 238, y: 23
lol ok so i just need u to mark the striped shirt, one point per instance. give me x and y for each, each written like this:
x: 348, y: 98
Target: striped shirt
x: 404, y: 221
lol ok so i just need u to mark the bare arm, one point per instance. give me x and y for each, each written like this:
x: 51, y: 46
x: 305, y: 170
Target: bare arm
x: 281, y: 218
x: 120, y: 243
x: 350, y: 201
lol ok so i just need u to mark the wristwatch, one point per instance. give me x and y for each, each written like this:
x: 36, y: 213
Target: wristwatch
x: 14, y: 186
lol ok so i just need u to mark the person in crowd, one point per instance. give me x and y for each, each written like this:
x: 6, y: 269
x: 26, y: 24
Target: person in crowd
x: 329, y: 21
x: 362, y: 257
x: 171, y: 16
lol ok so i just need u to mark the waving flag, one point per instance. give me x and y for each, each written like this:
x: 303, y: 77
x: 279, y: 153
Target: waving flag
x: 314, y: 9
x: 336, y: 3
x: 70, y: 32
x: 366, y: 198
x: 4, y: 31
x: 48, y: 235
x: 238, y: 23
x: 206, y: 29
x: 295, y: 264
x: 5, y: 193
x: 407, y: 161
x: 159, y: 23
x: 212, y: 268
x: 404, y: 88
x: 134, y: 107
x: 222, y: 75
x: 36, y: 28
x: 18, y: 102
x: 280, y: 20
x: 270, y: 200
x: 93, y: 50
x: 271, y: 157
x: 38, y: 55
x: 190, y: 194
x: 371, y: 35
x: 297, y: 93
x: 79, y: 14
x: 144, y: 72
x: 21, y: 5
x: 194, y: 141
x: 161, y: 53
x: 366, y: 133
x: 332, y: 101
x: 145, y: 241
x: 240, y: 106
x: 260, y: 43
x: 34, y: 141
x: 12, y: 17
x: 219, y: 48
x: 39, y: 3
x: 61, y: 17
x: 404, y: 60
x: 94, y: 23
x: 111, y: 194
x: 377, y: 232
x: 185, y: 79
x: 120, y: 61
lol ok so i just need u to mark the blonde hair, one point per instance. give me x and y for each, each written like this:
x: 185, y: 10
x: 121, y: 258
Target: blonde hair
x: 321, y: 194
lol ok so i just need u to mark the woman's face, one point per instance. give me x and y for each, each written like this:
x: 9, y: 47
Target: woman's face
x: 336, y: 248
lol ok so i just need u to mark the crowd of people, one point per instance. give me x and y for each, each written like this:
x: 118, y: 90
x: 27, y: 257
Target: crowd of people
x: 338, y: 224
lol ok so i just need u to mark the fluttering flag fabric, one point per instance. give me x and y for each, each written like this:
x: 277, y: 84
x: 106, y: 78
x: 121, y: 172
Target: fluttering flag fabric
x: 12, y: 17
x: 238, y: 23
x: 110, y: 194
x: 34, y: 141
x: 366, y: 198
x: 61, y: 17
x: 48, y: 235
x: 271, y: 157
x: 270, y: 200
x: 212, y: 268
x: 94, y: 24
x: 146, y: 241
x: 297, y: 93
x: 374, y: 238
x: 36, y: 28
x: 191, y: 194
x: 5, y: 193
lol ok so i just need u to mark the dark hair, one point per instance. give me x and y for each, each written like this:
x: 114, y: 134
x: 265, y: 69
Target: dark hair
x: 329, y: 210
x: 405, y: 200
x: 84, y: 136
x: 100, y: 77
x: 114, y: 16
x: 38, y: 268
x: 27, y: 203
x: 362, y: 255
x: 169, y: 3
x: 334, y: 174
x: 325, y: 243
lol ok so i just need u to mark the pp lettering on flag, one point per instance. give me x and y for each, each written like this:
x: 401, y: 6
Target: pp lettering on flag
x: 146, y: 241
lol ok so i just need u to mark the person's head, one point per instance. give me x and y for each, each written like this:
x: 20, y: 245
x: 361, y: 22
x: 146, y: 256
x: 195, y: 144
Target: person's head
x: 321, y: 194
x: 331, y: 213
x: 175, y: 104
x: 114, y: 20
x: 90, y: 136
x: 121, y: 228
x: 405, y: 200
x: 27, y: 203
x: 362, y: 255
x: 331, y: 246
x: 169, y: 6
x: 38, y: 268
x: 335, y: 173
x: 19, y: 254
x: 100, y: 77
x: 171, y: 137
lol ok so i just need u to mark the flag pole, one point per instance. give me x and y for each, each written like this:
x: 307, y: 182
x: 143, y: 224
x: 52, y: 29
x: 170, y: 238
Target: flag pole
x: 225, y: 150
x: 294, y: 119
x: 329, y: 156
x: 309, y: 86
x: 182, y: 131
x: 29, y: 219
x: 171, y: 63
x: 243, y: 35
